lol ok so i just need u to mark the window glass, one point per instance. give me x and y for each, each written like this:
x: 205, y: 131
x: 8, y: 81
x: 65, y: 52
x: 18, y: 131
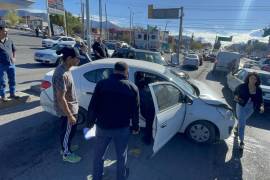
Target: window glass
x: 147, y: 78
x: 98, y: 74
x: 241, y: 75
x: 167, y: 96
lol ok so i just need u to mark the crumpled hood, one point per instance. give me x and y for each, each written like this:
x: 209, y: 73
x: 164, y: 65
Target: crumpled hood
x: 208, y: 95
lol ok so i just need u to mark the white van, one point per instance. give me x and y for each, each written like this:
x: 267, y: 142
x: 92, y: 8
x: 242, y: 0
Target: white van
x: 227, y: 61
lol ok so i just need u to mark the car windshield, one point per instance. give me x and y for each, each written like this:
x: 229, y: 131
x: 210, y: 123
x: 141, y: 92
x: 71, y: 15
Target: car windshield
x: 265, y: 79
x: 183, y: 84
x: 150, y: 57
x: 55, y: 38
x: 192, y: 56
x: 110, y: 46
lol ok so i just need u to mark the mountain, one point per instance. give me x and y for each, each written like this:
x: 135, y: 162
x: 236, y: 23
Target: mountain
x: 257, y: 33
x: 95, y: 24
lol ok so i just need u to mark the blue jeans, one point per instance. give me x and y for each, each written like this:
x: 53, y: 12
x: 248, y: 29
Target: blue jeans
x: 243, y: 114
x: 10, y: 70
x: 103, y: 138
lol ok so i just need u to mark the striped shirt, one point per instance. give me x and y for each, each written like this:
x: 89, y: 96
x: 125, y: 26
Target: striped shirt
x: 63, y: 81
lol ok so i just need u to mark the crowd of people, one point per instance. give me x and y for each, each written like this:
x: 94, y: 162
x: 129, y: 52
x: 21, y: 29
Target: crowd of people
x: 114, y: 103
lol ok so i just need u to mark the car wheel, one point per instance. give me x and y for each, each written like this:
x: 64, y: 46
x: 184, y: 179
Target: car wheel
x: 82, y: 115
x: 201, y: 132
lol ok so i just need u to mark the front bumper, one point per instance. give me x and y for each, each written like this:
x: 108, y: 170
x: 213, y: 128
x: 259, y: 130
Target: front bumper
x: 45, y: 60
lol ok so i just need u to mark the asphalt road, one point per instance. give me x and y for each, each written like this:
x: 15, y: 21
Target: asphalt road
x: 29, y: 146
x: 28, y: 72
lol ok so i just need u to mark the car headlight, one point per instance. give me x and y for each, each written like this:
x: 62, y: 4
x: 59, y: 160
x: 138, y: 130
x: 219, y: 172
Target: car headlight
x: 226, y: 113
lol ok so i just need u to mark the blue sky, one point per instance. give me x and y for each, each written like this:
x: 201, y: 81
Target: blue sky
x: 203, y: 17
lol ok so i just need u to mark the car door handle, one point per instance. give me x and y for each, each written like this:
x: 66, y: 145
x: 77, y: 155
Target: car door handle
x: 163, y: 125
x: 89, y: 93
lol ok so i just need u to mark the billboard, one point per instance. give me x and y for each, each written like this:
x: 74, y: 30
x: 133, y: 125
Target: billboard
x: 171, y: 13
x: 56, y: 6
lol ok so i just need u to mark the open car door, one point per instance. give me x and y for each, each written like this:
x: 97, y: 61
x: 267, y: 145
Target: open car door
x: 170, y: 112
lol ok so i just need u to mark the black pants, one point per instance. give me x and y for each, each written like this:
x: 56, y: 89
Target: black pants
x: 67, y: 132
x: 148, y: 128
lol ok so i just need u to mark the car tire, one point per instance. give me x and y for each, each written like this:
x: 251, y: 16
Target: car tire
x: 81, y: 119
x: 201, y: 132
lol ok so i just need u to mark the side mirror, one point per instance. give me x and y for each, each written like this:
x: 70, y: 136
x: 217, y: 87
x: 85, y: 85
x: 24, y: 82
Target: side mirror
x: 187, y: 100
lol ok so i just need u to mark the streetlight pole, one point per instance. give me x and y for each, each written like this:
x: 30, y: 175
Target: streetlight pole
x: 100, y: 18
x: 87, y: 28
x: 180, y: 34
x: 130, y: 21
x: 48, y: 16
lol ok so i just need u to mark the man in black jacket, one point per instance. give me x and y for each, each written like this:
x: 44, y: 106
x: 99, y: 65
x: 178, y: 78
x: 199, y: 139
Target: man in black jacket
x: 100, y: 49
x: 115, y: 101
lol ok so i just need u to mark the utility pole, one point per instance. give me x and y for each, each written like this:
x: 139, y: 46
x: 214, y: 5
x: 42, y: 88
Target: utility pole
x: 107, y: 31
x: 65, y: 23
x: 130, y: 21
x: 87, y: 28
x: 180, y: 33
x: 83, y: 22
x: 100, y: 18
x: 49, y: 22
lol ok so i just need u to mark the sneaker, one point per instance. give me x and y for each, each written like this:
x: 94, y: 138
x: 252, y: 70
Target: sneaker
x: 14, y: 97
x: 72, y: 158
x: 72, y: 148
x: 241, y: 145
x: 4, y: 99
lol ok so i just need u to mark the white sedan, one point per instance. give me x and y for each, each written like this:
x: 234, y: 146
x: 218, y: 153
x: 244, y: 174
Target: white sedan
x: 192, y: 60
x: 234, y: 80
x: 49, y: 43
x: 181, y: 106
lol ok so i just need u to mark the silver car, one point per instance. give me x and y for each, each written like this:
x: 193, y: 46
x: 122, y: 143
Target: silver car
x: 192, y: 60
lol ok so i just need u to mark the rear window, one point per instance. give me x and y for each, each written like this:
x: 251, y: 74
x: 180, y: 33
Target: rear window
x: 192, y: 56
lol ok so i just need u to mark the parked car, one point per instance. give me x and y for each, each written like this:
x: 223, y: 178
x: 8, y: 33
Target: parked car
x: 49, y: 56
x: 234, y: 80
x: 49, y: 43
x: 227, y: 61
x: 111, y: 47
x: 132, y: 53
x: 266, y: 68
x: 263, y: 62
x: 192, y: 60
x: 211, y: 58
x: 180, y: 105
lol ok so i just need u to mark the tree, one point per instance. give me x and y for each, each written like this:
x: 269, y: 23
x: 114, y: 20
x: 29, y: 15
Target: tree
x: 12, y: 17
x: 74, y: 24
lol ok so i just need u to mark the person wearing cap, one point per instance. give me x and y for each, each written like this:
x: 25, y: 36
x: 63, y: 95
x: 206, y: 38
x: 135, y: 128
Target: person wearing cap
x: 114, y: 103
x: 7, y: 65
x: 65, y: 102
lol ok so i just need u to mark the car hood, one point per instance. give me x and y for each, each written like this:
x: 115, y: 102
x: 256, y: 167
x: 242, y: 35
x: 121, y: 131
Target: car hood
x: 49, y: 40
x: 265, y: 88
x: 46, y: 51
x: 208, y: 95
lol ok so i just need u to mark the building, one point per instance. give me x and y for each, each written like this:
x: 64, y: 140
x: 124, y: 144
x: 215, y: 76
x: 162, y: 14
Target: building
x: 15, y: 4
x: 151, y: 38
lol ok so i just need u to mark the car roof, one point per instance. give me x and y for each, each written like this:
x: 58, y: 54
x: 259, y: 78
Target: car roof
x: 132, y: 63
x: 257, y: 71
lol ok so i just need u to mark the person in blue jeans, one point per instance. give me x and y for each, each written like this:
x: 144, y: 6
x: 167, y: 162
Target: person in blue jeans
x: 249, y: 98
x: 7, y: 65
x: 115, y: 101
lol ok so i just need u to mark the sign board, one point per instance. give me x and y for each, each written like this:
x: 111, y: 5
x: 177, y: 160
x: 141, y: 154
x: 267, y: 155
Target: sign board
x: 171, y: 13
x: 56, y: 6
x: 220, y: 38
